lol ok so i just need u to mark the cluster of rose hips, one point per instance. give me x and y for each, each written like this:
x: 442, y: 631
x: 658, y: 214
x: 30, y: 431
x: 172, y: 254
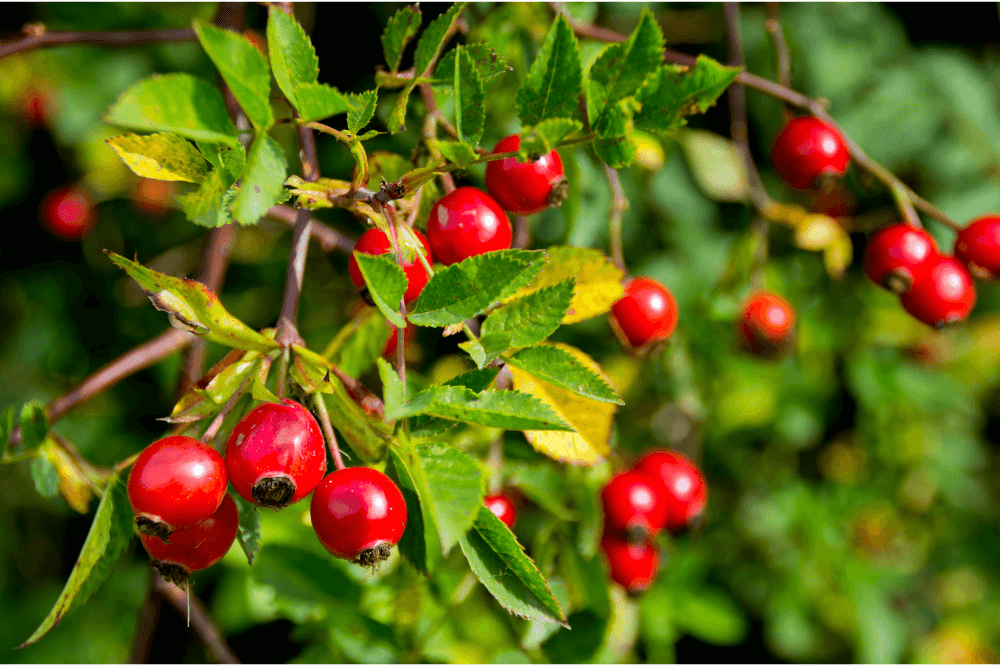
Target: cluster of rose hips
x: 664, y: 490
x: 274, y: 457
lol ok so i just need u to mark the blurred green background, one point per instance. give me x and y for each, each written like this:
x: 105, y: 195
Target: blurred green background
x: 854, y: 486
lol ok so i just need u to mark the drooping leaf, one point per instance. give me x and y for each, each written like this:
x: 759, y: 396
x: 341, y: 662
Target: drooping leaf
x: 470, y: 99
x: 109, y: 535
x: 533, y: 318
x: 598, y: 280
x: 386, y: 284
x: 397, y: 117
x: 263, y: 180
x: 542, y: 137
x: 362, y: 109
x: 434, y: 38
x: 393, y: 391
x: 399, y: 30
x: 162, y: 156
x: 674, y: 92
x: 357, y: 345
x: 487, y: 348
x: 44, y: 474
x: 500, y: 409
x: 211, y: 205
x: 488, y: 64
x: 248, y: 534
x: 561, y: 368
x: 293, y: 58
x: 34, y: 424
x: 420, y: 543
x: 192, y: 306
x: 552, y: 85
x: 316, y: 101
x: 178, y: 103
x: 243, y: 68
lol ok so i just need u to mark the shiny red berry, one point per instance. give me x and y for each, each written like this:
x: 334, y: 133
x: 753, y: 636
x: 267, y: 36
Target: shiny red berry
x: 175, y: 482
x: 633, y: 565
x: 409, y: 335
x: 68, y: 213
x: 276, y: 454
x: 766, y: 323
x: 808, y: 148
x: 194, y: 548
x: 502, y: 508
x: 683, y: 483
x: 895, y: 253
x: 635, y: 504
x: 525, y: 187
x: 358, y: 514
x: 465, y: 223
x: 645, y: 315
x: 942, y: 293
x: 978, y: 245
x: 374, y: 241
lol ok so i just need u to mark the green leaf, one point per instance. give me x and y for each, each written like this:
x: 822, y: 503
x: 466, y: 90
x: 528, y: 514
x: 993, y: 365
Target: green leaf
x: 614, y: 144
x: 716, y: 165
x: 223, y: 381
x: 192, y: 306
x: 399, y: 30
x: 433, y: 40
x: 510, y: 410
x: 293, y: 58
x: 211, y: 205
x: 467, y: 288
x: 248, y: 534
x: 316, y: 101
x: 459, y: 152
x: 232, y: 159
x: 420, y: 543
x: 552, y: 87
x: 488, y: 64
x: 397, y: 117
x: 178, y: 103
x: 357, y: 345
x: 470, y: 99
x: 487, y: 348
x: 531, y: 319
x: 559, y: 367
x: 34, y: 424
x: 543, y: 485
x: 109, y: 535
x: 263, y: 180
x: 393, y: 391
x: 674, y: 92
x: 362, y: 109
x: 162, y: 156
x: 507, y: 572
x: 45, y: 476
x: 711, y: 616
x: 300, y: 575
x: 386, y: 283
x: 243, y: 68
x: 541, y: 138
x: 455, y: 482
x: 475, y: 380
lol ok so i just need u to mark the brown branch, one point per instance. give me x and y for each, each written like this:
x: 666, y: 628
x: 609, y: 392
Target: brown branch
x: 522, y: 232
x: 783, y: 62
x: 202, y: 623
x: 331, y: 436
x: 37, y: 35
x: 149, y: 616
x: 329, y: 238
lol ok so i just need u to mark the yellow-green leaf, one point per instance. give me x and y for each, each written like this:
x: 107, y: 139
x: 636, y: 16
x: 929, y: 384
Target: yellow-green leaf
x: 162, y: 156
x: 598, y: 280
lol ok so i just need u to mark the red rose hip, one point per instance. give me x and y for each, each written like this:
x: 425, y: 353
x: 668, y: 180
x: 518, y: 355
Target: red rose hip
x: 502, y: 508
x: 358, y: 514
x: 175, y: 482
x: 683, y: 483
x: 766, y: 324
x: 895, y: 253
x: 808, y: 148
x: 978, y: 246
x: 633, y: 565
x: 276, y: 454
x: 634, y: 504
x: 525, y: 187
x: 942, y: 293
x: 375, y: 241
x: 465, y: 223
x: 68, y: 213
x: 645, y: 315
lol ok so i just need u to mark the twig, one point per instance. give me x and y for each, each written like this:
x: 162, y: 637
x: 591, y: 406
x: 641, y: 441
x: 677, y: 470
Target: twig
x: 522, y: 232
x: 783, y: 63
x: 329, y: 238
x: 202, y: 623
x: 37, y: 35
x: 331, y: 436
x: 618, y: 206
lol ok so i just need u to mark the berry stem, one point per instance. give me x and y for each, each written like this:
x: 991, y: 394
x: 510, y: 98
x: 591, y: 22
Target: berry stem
x: 522, y: 232
x: 331, y: 437
x: 619, y: 204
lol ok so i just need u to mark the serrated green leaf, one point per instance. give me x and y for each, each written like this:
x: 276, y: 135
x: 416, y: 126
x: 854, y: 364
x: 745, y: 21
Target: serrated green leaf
x: 193, y: 307
x: 248, y: 534
x: 535, y: 317
x: 263, y: 180
x: 178, y: 103
x: 399, y: 30
x: 559, y: 367
x: 510, y: 410
x: 541, y: 138
x: 362, y: 109
x: 488, y: 63
x: 507, y: 572
x: 316, y: 101
x: 397, y: 117
x: 614, y: 144
x: 211, y: 205
x: 293, y: 58
x: 674, y: 92
x: 598, y: 280
x: 487, y: 348
x: 467, y: 288
x: 470, y: 99
x: 230, y: 158
x: 357, y: 345
x: 420, y: 543
x: 45, y: 476
x: 476, y: 380
x: 552, y: 87
x: 455, y: 482
x: 386, y: 283
x: 433, y: 40
x: 107, y: 539
x: 393, y: 391
x: 243, y: 68
x: 34, y: 424
x: 459, y: 152
x: 162, y: 156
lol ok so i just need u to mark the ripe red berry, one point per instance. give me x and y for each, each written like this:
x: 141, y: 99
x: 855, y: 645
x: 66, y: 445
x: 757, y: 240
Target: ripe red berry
x: 37, y: 105
x: 502, y: 508
x: 978, y: 245
x: 175, y: 482
x: 633, y: 565
x: 358, y: 514
x: 942, y: 293
x: 525, y: 187
x: 895, y: 253
x: 194, y: 548
x: 409, y: 335
x: 808, y: 148
x: 684, y: 486
x: 374, y: 241
x: 465, y: 223
x: 634, y: 503
x: 276, y: 454
x: 645, y: 315
x: 766, y: 323
x: 68, y: 213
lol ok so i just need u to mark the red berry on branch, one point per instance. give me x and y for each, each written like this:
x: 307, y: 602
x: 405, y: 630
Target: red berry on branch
x: 526, y: 187
x: 942, y: 293
x: 68, y: 213
x: 895, y: 253
x: 503, y: 508
x: 194, y: 548
x: 358, y: 514
x: 684, y: 486
x: 633, y: 565
x: 645, y: 315
x: 409, y: 335
x: 808, y: 148
x: 375, y: 241
x: 634, y: 504
x: 276, y: 454
x: 175, y: 482
x: 465, y: 223
x: 978, y: 246
x: 766, y: 324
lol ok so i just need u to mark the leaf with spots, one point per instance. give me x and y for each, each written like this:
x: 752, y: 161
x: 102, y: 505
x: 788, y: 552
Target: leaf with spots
x: 162, y: 156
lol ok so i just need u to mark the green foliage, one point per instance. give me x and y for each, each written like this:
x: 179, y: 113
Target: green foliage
x: 434, y: 38
x: 243, y: 68
x: 552, y: 85
x: 34, y: 425
x: 559, y: 367
x: 162, y: 156
x: 399, y: 30
x: 500, y: 409
x: 386, y: 284
x: 248, y: 535
x: 470, y: 114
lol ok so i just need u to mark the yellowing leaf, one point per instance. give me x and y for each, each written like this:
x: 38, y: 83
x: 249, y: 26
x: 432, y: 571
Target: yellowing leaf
x: 838, y: 254
x: 592, y: 420
x: 73, y: 484
x: 816, y: 232
x: 598, y: 280
x: 162, y: 156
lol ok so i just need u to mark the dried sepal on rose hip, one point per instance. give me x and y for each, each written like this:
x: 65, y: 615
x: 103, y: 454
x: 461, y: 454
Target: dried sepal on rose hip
x: 645, y: 315
x: 528, y: 187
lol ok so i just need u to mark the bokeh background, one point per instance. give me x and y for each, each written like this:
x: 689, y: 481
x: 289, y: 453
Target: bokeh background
x: 853, y: 513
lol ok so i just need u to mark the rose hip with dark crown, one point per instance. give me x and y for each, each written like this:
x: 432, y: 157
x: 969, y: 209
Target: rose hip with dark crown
x: 633, y: 565
x: 895, y: 253
x: 503, y: 508
x: 465, y: 223
x: 942, y: 293
x: 525, y: 187
x: 978, y: 246
x: 808, y: 148
x: 645, y: 315
x: 684, y: 486
x: 375, y: 241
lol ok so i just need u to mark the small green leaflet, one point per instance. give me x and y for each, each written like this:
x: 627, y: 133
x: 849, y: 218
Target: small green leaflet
x: 230, y: 158
x: 511, y: 410
x: 386, y: 284
x: 541, y: 138
x: 249, y: 527
x: 433, y: 39
x: 263, y: 181
x: 178, y: 103
x: 316, y: 101
x: 614, y: 143
x: 507, y: 572
x: 397, y: 117
x: 487, y: 348
x: 163, y: 156
x: 420, y: 543
x: 531, y: 319
x: 476, y: 380
x: 470, y: 99
x: 211, y: 205
x: 361, y: 111
x: 400, y: 29
x: 552, y: 87
x: 488, y: 64
x: 45, y: 476
x: 191, y: 306
x: 467, y: 288
x: 393, y: 391
x: 34, y: 424
x: 558, y: 367
x: 293, y: 58
x: 243, y: 68
x: 109, y: 535
x: 457, y: 151
x: 674, y: 92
